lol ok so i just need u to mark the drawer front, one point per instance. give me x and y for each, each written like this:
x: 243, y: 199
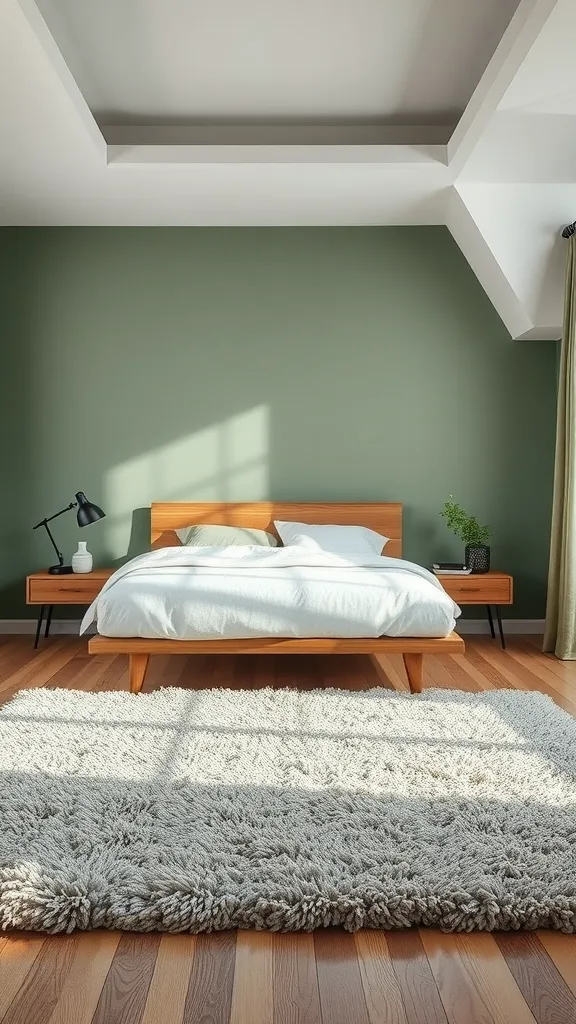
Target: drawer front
x: 479, y: 591
x: 64, y: 590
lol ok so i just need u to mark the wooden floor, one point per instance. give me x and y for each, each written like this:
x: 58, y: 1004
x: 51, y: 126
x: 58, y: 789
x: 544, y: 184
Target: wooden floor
x: 330, y: 977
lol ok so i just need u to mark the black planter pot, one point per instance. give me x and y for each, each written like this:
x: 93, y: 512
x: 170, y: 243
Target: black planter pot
x: 477, y: 558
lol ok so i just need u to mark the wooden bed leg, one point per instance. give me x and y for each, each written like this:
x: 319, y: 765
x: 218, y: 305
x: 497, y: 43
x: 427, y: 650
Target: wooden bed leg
x: 414, y: 665
x: 138, y: 663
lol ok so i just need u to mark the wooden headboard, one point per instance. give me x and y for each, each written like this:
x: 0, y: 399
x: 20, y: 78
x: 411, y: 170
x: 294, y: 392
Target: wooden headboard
x: 168, y: 516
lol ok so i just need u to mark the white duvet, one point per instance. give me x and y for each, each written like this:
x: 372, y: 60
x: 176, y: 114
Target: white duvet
x: 200, y: 593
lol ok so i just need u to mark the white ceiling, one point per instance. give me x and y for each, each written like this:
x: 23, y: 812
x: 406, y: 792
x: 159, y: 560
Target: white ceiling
x: 392, y: 61
x: 219, y: 115
x: 545, y: 82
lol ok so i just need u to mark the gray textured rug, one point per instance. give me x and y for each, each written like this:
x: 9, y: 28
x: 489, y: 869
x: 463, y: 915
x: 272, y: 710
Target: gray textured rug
x: 191, y: 811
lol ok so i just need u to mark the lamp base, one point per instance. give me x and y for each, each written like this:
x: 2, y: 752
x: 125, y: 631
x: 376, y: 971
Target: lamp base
x: 60, y: 570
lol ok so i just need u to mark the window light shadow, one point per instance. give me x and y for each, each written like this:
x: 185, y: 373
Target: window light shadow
x: 227, y: 461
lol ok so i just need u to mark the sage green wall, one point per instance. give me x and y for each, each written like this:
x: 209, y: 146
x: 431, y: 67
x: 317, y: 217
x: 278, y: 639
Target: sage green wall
x: 306, y: 363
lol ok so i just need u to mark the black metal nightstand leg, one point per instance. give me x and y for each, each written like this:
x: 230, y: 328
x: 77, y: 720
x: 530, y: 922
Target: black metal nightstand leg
x: 39, y: 624
x: 490, y: 621
x: 48, y: 620
x: 499, y: 617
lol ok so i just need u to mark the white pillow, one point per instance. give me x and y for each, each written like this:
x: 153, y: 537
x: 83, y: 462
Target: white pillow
x: 339, y: 540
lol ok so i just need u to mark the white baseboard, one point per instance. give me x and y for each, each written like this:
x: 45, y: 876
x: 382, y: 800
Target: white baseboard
x: 29, y: 626
x: 464, y: 626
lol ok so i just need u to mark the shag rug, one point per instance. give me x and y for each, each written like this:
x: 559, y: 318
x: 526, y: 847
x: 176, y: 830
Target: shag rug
x: 197, y: 810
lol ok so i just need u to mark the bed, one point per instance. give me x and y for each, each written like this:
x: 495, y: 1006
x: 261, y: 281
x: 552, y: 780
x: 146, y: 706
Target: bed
x: 173, y: 567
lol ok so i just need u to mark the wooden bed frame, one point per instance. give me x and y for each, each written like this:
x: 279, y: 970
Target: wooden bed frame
x: 166, y: 517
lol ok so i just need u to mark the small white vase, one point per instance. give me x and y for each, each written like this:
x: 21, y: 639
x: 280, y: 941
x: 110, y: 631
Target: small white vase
x: 81, y: 559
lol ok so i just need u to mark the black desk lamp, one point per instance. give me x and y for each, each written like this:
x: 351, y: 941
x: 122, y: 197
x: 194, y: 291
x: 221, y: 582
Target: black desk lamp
x: 87, y: 513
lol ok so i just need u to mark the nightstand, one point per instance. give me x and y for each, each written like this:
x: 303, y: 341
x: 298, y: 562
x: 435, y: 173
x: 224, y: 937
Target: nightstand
x: 76, y: 588
x: 490, y: 588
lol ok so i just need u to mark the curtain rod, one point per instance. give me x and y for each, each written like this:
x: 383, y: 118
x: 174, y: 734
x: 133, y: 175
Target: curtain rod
x: 570, y: 229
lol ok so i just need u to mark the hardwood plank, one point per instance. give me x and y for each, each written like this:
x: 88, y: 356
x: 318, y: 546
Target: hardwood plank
x: 381, y: 673
x: 17, y: 958
x: 533, y: 645
x: 114, y: 675
x: 507, y: 667
x: 41, y: 989
x: 381, y: 989
x: 473, y: 979
x: 393, y: 666
x: 125, y: 990
x: 255, y: 671
x: 203, y: 671
x: 79, y: 996
x: 295, y: 981
x: 209, y: 671
x: 157, y: 667
x: 447, y: 676
x: 285, y: 673
x: 340, y: 985
x: 169, y: 984
x: 419, y: 992
x: 76, y: 673
x: 463, y: 664
x: 562, y: 951
x: 370, y: 671
x: 366, y: 672
x: 14, y: 655
x: 564, y: 670
x: 42, y: 669
x: 345, y: 671
x: 91, y: 681
x: 474, y: 655
x: 264, y: 669
x: 486, y: 964
x: 252, y: 994
x: 523, y: 678
x: 539, y: 669
x: 210, y: 990
x: 537, y: 977
x: 169, y: 672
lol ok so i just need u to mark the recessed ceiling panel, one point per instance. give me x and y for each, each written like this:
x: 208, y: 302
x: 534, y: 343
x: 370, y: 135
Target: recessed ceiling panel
x: 223, y: 61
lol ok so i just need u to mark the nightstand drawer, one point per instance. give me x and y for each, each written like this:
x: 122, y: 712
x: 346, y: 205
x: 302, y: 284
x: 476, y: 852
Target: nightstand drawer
x: 479, y: 589
x: 64, y: 589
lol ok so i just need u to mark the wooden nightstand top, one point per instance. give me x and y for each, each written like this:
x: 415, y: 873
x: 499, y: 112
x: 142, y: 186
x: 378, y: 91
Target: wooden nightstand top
x: 100, y: 574
x: 73, y: 588
x: 492, y: 587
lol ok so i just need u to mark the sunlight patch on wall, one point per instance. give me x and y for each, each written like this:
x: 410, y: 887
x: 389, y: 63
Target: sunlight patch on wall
x: 227, y: 461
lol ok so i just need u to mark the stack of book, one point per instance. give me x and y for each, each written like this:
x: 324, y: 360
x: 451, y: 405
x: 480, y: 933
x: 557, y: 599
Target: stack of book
x: 450, y: 569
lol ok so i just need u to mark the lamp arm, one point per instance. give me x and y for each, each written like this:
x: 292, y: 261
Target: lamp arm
x: 44, y: 523
x: 48, y: 531
x: 55, y: 516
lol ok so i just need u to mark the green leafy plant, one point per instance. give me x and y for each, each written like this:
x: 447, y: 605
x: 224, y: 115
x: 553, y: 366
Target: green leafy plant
x: 463, y: 525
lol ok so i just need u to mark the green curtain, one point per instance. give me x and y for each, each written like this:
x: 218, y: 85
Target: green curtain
x: 560, y: 632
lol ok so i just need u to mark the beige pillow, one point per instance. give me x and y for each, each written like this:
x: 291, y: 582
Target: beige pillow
x: 212, y: 536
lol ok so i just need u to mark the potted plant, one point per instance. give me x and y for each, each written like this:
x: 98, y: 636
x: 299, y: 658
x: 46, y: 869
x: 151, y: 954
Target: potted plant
x: 467, y: 527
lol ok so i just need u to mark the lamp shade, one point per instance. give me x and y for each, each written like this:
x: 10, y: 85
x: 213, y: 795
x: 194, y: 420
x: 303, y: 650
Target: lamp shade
x: 87, y: 512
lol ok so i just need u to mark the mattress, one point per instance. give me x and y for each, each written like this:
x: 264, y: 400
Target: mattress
x: 188, y: 593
